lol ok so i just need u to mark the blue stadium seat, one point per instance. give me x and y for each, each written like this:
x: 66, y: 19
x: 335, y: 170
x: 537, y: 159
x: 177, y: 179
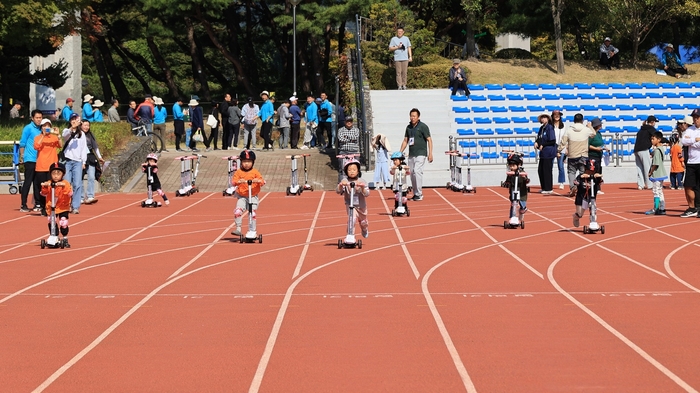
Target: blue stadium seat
x: 671, y: 95
x: 474, y: 156
x: 678, y: 116
x: 586, y: 96
x: 484, y: 131
x: 642, y: 117
x: 654, y: 95
x: 633, y: 86
x: 525, y: 142
x: 691, y: 106
x: 631, y: 128
x: 582, y: 86
x: 520, y: 120
x: 550, y: 97
x: 523, y: 131
x: 686, y: 94
x: 529, y: 86
x: 606, y: 107
x: 514, y: 97
x: 627, y: 118
x: 490, y: 156
x: 664, y: 117
x: 565, y: 86
x: 464, y: 132
x: 572, y: 108
x: 607, y: 141
x: 504, y: 131
x: 499, y: 109
x: 459, y: 98
x: 625, y: 107
x: 637, y: 96
x: 610, y: 118
x: 603, y: 96
x: 617, y: 86
x: 517, y: 109
x: 475, y: 87
x: 496, y: 98
x: 501, y: 120
x: 460, y: 109
x: 665, y: 128
x: 482, y: 120
x: 568, y: 96
x: 621, y: 96
x: 480, y: 109
x: 589, y: 108
x: 657, y: 107
x: 641, y: 107
x: 551, y: 108
x: 532, y: 154
x: 476, y: 98
x: 493, y: 86
x: 534, y: 119
x: 535, y: 108
x: 547, y: 86
x: 467, y: 144
x: 600, y: 86
x: 535, y: 130
x: 695, y: 84
x: 535, y: 97
x: 504, y: 143
x: 487, y: 144
x: 511, y: 86
x: 675, y: 107
x: 463, y: 120
x: 632, y: 140
x: 614, y: 129
x: 649, y: 85
x: 683, y: 85
x: 666, y: 85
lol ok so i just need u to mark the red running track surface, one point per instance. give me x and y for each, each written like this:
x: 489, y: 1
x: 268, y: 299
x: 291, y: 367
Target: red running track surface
x: 446, y: 300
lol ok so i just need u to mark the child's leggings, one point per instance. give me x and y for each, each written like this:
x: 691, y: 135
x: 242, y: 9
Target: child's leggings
x: 360, y: 216
x: 242, y: 207
x: 676, y: 179
x: 523, y: 208
x: 61, y: 223
x: 658, y: 189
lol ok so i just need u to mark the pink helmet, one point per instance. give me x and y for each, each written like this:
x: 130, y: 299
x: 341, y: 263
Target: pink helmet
x: 152, y: 156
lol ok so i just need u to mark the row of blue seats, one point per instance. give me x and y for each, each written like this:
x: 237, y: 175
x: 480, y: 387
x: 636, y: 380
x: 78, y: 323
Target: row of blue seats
x: 528, y: 142
x: 531, y: 131
x: 533, y: 119
x: 574, y: 108
x: 584, y: 86
x: 582, y: 96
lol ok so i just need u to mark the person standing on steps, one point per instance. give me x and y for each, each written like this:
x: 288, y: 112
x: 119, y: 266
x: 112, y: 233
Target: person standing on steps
x: 401, y: 46
x: 420, y: 149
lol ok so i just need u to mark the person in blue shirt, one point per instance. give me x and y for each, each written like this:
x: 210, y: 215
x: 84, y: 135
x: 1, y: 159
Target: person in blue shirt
x: 311, y: 118
x: 178, y: 123
x: 27, y: 155
x: 159, y: 116
x: 672, y: 63
x: 325, y: 114
x: 97, y: 115
x: 294, y: 122
x: 67, y: 110
x: 266, y: 115
x: 88, y: 112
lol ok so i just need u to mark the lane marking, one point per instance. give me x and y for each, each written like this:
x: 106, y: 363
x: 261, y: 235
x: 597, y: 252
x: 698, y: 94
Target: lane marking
x: 14, y: 219
x: 300, y: 262
x: 667, y: 266
x: 414, y: 269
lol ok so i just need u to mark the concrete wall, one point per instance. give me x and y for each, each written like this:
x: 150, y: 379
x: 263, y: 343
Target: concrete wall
x: 508, y: 41
x: 46, y: 98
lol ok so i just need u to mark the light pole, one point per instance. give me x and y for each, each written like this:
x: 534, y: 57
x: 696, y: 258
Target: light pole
x: 294, y: 44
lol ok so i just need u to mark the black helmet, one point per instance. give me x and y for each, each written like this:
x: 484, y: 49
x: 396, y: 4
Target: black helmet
x: 57, y: 166
x: 515, y: 159
x: 247, y: 155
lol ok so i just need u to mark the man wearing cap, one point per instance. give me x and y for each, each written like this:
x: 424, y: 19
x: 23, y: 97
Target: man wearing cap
x: 691, y: 183
x: 88, y: 112
x: 642, y: 158
x: 401, y: 46
x: 609, y: 55
x: 348, y: 142
x: 27, y: 156
x: 266, y: 114
x: 672, y: 63
x: 295, y: 122
x: 284, y: 116
x: 458, y: 78
x: 113, y: 112
x: 575, y: 142
x: 67, y: 109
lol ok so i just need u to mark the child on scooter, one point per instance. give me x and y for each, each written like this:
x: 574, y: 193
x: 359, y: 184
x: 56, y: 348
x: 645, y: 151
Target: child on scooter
x: 515, y: 163
x: 152, y: 180
x: 582, y: 188
x: 353, y: 174
x: 240, y: 181
x: 398, y: 162
x: 63, y: 193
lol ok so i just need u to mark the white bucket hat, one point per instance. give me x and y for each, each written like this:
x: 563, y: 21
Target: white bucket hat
x: 97, y: 103
x: 193, y: 102
x: 158, y: 100
x: 87, y: 98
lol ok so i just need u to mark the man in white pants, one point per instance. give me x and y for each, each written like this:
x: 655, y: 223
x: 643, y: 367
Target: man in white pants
x: 420, y: 148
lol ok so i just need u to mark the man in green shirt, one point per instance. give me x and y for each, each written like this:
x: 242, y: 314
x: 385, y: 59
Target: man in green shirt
x: 420, y: 148
x: 596, y: 145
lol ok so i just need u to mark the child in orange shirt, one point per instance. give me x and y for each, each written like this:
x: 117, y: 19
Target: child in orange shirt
x: 62, y: 193
x: 240, y: 179
x: 677, y: 163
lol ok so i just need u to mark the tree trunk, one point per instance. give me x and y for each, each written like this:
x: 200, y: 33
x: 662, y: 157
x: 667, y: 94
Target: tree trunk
x: 251, y: 67
x: 557, y: 8
x: 240, y: 72
x: 471, y: 42
x: 341, y: 38
x: 198, y: 74
x: 114, y: 74
x: 130, y: 67
x: 304, y: 61
x: 101, y: 71
x: 5, y: 83
x: 325, y: 72
x: 169, y: 80
x: 210, y: 68
x: 316, y: 66
x: 635, y: 50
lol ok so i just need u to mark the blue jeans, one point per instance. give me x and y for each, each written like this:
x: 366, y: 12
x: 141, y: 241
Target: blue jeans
x: 74, y: 175
x: 562, y: 171
x: 90, y: 181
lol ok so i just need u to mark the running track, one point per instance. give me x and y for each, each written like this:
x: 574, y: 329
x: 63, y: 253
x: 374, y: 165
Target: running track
x: 443, y: 301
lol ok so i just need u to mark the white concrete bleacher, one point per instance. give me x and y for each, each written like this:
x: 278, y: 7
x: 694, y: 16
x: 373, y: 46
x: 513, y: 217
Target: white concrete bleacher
x: 504, y: 117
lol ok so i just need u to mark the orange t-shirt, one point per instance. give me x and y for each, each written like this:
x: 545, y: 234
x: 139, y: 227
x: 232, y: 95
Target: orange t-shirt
x: 46, y: 151
x: 64, y: 192
x: 677, y: 159
x: 242, y: 189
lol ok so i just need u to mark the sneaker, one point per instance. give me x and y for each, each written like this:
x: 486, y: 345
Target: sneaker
x: 576, y: 220
x: 561, y: 186
x: 24, y: 209
x: 90, y: 201
x: 650, y: 212
x: 75, y: 211
x: 600, y: 193
x: 43, y: 213
x: 36, y: 208
x: 179, y: 150
x: 195, y: 150
x: 690, y: 212
x: 417, y: 197
x: 304, y: 147
x: 208, y: 149
x: 237, y: 232
x: 65, y: 243
x: 640, y: 188
x: 660, y: 212
x: 523, y: 210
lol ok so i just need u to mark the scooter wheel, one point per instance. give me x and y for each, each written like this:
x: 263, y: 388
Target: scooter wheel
x: 223, y: 193
x: 448, y: 186
x: 340, y: 243
x: 143, y: 203
x: 241, y: 238
x: 62, y: 243
x: 408, y: 213
x: 585, y: 230
x: 43, y: 244
x: 474, y: 190
x: 288, y: 193
x: 393, y: 213
x: 260, y: 239
x: 300, y: 191
x: 522, y: 224
x: 312, y: 188
x: 359, y: 244
x: 505, y: 224
x: 602, y: 229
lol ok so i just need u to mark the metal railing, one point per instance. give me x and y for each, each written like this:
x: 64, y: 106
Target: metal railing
x: 358, y: 80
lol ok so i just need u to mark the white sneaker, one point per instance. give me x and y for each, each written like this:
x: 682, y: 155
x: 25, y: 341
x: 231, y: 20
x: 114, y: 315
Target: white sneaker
x: 600, y: 193
x: 576, y: 220
x: 304, y: 147
x: 561, y: 186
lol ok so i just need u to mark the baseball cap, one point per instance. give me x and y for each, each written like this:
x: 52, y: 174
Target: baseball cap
x: 696, y: 113
x: 653, y: 118
x: 45, y: 121
x: 596, y: 122
x: 74, y: 116
x: 607, y: 39
x: 69, y: 100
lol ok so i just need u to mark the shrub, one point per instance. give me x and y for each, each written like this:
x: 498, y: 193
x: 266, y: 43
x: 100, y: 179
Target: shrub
x: 434, y: 74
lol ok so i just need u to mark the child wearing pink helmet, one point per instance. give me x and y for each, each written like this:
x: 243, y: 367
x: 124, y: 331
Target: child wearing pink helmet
x: 152, y: 180
x: 353, y: 175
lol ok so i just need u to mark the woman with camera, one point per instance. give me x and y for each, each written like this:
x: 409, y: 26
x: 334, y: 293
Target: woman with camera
x: 75, y: 152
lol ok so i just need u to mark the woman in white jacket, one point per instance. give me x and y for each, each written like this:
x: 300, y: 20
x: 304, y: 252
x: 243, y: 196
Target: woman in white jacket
x: 559, y: 130
x: 75, y: 151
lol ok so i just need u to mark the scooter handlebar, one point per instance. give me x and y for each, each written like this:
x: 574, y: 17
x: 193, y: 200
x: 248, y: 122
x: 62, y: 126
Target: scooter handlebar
x: 230, y: 158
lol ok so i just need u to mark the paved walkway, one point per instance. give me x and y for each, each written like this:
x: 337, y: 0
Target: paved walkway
x: 213, y: 170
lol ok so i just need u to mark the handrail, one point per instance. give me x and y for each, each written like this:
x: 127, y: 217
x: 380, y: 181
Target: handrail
x: 362, y: 116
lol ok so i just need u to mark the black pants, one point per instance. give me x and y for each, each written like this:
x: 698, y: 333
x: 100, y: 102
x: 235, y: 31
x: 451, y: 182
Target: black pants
x: 544, y: 170
x: 213, y: 136
x: 676, y: 71
x: 294, y: 137
x: 613, y: 61
x: 225, y: 132
x: 40, y: 177
x: 266, y: 134
x: 29, y: 180
x: 179, y: 132
x: 320, y: 139
x: 458, y: 85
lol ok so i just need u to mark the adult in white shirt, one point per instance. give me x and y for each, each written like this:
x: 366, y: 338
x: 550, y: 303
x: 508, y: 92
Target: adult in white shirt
x: 75, y: 150
x: 401, y: 46
x: 691, y: 183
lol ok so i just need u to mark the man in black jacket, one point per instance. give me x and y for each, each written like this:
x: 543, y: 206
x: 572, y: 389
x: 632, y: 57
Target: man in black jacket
x: 223, y: 108
x: 641, y: 152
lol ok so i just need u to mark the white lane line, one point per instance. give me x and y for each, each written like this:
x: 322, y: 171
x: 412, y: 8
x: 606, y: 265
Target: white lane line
x: 57, y: 374
x: 14, y: 219
x: 517, y: 258
x: 667, y: 266
x: 632, y: 260
x: 401, y: 241
x: 300, y: 262
x: 668, y: 373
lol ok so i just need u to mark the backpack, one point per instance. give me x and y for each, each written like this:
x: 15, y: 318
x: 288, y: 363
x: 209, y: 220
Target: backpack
x: 251, y: 117
x: 323, y: 114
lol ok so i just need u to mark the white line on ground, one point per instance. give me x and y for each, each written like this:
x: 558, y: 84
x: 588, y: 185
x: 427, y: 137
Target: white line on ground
x: 300, y: 262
